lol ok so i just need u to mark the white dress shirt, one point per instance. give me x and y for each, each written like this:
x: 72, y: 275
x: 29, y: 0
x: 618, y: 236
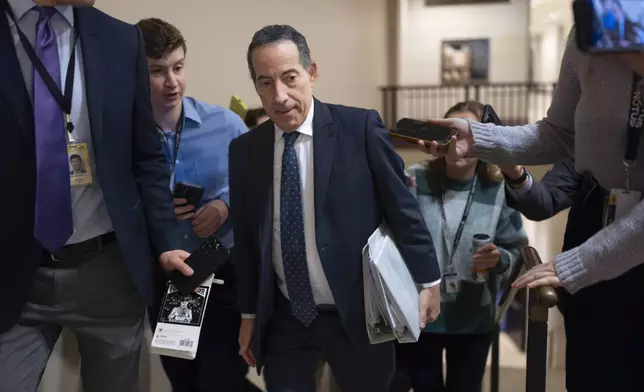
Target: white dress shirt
x: 304, y: 150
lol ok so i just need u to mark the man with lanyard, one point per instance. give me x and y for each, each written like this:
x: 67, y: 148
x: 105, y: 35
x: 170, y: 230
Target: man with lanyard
x: 76, y: 247
x: 196, y: 136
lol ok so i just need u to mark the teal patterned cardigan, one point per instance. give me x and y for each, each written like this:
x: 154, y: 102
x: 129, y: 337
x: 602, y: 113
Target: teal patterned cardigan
x: 471, y: 310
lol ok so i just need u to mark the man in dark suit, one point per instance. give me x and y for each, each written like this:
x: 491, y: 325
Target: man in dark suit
x: 78, y: 256
x: 307, y: 189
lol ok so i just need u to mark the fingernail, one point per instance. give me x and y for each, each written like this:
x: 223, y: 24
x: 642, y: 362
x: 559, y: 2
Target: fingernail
x: 422, y: 325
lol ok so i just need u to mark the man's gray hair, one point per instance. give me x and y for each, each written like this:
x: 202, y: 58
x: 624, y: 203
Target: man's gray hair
x: 276, y: 33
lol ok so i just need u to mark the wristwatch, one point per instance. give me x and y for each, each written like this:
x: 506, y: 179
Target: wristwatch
x: 516, y: 181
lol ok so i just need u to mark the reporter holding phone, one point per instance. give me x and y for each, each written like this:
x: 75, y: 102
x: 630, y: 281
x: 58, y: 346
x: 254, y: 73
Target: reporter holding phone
x: 458, y: 199
x: 196, y: 136
x: 589, y: 118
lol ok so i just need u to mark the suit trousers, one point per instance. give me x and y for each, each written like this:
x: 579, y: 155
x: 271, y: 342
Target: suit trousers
x: 420, y: 364
x: 98, y: 302
x: 293, y: 353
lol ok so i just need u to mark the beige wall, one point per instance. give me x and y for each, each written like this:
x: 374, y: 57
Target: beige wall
x: 423, y: 28
x: 347, y: 39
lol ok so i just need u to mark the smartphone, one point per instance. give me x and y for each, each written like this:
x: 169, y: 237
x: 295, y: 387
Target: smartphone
x: 414, y: 130
x: 609, y: 26
x: 209, y: 258
x: 489, y: 116
x: 238, y: 106
x: 192, y: 193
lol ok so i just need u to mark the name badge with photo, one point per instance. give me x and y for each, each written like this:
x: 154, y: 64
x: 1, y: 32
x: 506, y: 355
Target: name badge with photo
x: 619, y: 203
x: 451, y: 281
x: 80, y: 170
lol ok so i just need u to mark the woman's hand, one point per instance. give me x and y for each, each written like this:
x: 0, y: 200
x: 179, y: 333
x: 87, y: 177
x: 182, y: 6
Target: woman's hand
x: 540, y: 275
x: 486, y: 257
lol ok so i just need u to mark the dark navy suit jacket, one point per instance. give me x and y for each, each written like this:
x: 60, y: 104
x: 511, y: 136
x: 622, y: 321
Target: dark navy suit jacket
x: 129, y: 160
x: 359, y: 182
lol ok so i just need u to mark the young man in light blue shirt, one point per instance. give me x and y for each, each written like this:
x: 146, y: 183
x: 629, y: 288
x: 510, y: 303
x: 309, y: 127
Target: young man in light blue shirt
x: 196, y: 136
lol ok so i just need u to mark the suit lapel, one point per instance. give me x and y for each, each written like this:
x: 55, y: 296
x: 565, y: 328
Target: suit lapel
x: 94, y: 62
x: 12, y: 84
x: 264, y: 152
x: 324, y: 137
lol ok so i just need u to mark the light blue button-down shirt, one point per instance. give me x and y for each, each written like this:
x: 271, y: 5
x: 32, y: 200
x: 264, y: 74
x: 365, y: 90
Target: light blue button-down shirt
x: 88, y: 206
x: 203, y: 158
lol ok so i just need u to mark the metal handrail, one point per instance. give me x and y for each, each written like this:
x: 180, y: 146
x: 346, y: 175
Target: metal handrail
x: 540, y: 300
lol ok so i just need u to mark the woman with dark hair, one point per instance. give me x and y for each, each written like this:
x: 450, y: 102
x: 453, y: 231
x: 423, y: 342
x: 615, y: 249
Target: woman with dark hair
x: 461, y: 199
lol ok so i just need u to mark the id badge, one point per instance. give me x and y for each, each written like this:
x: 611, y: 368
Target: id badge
x: 80, y: 170
x: 620, y: 202
x: 452, y: 284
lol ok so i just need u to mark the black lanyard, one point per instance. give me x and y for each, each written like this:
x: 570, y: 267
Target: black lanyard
x: 64, y: 101
x: 177, y: 141
x: 635, y: 127
x: 461, y: 225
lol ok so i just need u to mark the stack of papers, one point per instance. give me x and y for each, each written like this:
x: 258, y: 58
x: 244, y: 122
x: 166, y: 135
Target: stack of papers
x: 390, y: 293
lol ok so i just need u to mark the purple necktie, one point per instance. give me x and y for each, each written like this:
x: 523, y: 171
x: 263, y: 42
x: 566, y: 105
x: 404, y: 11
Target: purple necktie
x: 53, y: 225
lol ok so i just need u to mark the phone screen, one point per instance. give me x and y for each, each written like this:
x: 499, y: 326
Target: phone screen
x: 610, y: 25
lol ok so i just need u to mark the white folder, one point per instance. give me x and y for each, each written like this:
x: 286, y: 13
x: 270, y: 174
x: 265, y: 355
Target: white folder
x: 391, y: 295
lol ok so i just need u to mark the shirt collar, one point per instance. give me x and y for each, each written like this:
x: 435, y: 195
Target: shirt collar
x: 190, y: 111
x: 21, y: 7
x: 306, y: 128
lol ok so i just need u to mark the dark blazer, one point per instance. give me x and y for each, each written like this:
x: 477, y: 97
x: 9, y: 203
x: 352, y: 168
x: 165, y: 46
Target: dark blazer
x: 359, y: 182
x: 129, y: 160
x: 560, y: 188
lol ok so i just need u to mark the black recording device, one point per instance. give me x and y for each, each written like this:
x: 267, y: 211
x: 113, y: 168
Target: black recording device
x: 192, y: 193
x: 416, y: 130
x: 609, y: 26
x: 209, y: 258
x: 489, y: 116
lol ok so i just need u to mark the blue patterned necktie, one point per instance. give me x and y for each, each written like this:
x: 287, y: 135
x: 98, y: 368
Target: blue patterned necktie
x: 296, y: 271
x: 53, y: 224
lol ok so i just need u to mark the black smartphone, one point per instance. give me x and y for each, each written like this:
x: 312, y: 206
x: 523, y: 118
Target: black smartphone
x: 192, y: 193
x: 414, y: 130
x: 609, y: 26
x: 489, y: 116
x: 204, y: 261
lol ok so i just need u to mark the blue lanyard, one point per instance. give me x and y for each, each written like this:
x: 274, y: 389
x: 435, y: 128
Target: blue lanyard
x: 177, y: 143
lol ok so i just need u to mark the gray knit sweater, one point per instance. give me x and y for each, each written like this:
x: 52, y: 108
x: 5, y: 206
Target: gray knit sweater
x: 588, y: 112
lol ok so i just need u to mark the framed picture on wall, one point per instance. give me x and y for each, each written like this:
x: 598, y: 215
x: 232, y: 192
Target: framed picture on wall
x: 465, y: 61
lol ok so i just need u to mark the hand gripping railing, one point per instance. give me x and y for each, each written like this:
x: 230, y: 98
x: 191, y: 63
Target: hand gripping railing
x: 540, y: 300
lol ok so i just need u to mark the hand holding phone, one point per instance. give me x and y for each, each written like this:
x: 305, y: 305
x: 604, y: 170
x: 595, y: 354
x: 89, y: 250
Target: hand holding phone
x: 414, y: 131
x: 183, y: 210
x: 460, y: 144
x: 203, y: 261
